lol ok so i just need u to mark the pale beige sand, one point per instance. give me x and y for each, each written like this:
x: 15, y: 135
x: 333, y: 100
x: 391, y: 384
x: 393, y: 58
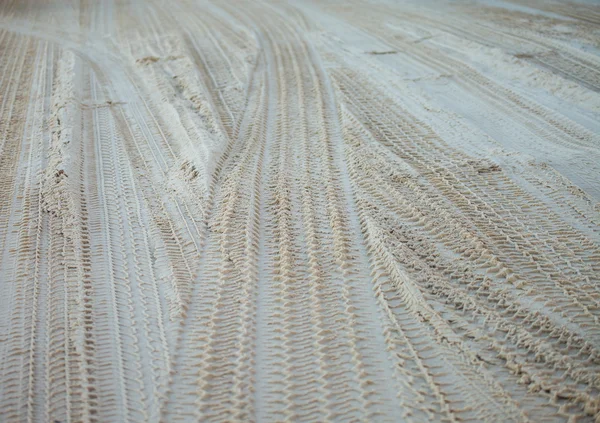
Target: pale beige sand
x: 305, y: 211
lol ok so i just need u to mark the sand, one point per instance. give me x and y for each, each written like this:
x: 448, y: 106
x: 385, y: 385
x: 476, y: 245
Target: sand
x: 305, y: 211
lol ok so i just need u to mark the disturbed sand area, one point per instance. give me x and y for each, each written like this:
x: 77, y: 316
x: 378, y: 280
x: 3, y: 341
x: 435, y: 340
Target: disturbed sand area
x: 303, y: 211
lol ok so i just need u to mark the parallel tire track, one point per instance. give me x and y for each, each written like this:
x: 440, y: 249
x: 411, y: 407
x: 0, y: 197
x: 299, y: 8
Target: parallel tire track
x: 299, y: 211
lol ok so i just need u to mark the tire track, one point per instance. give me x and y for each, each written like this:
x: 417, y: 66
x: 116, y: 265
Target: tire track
x: 270, y: 211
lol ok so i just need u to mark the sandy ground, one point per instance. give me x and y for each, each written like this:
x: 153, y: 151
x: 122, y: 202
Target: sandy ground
x: 307, y: 211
